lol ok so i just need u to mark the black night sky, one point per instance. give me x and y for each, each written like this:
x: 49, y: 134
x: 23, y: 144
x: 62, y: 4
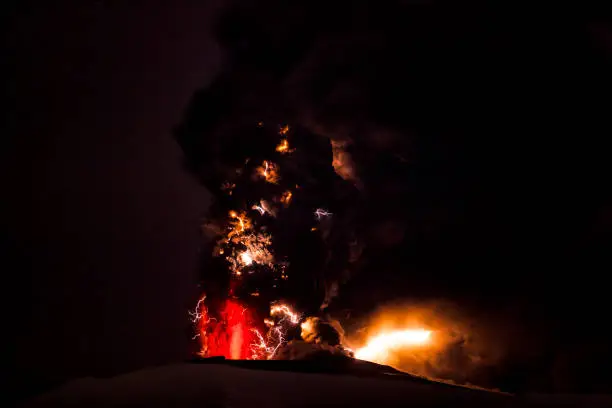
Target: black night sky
x: 103, y: 225
x: 480, y: 138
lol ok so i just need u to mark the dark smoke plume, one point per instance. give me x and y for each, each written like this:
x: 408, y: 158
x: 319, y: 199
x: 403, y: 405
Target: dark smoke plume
x: 460, y: 150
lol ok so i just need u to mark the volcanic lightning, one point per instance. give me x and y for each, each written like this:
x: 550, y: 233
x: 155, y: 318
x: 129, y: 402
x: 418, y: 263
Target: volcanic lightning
x: 245, y: 245
x: 264, y: 208
x: 268, y: 171
x: 265, y: 347
x: 321, y: 213
x: 286, y: 311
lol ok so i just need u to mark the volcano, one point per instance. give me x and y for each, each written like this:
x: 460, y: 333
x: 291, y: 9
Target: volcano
x: 218, y: 382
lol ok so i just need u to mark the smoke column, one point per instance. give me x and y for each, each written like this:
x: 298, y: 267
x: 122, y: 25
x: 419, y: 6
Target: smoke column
x: 280, y: 238
x: 449, y: 152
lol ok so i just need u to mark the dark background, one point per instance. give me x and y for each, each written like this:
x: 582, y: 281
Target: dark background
x: 101, y: 225
x: 101, y: 220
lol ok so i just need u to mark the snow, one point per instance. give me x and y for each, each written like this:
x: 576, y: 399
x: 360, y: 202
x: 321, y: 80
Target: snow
x: 226, y: 385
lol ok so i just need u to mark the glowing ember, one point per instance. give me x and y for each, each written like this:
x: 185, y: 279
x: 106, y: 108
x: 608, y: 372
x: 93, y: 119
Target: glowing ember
x: 268, y: 171
x: 256, y: 251
x: 378, y: 348
x: 286, y: 198
x: 239, y: 224
x: 243, y: 245
x: 283, y: 147
x: 246, y: 258
x: 283, y: 130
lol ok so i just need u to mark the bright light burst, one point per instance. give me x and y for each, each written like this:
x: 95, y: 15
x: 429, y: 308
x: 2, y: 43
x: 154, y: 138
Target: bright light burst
x: 248, y: 250
x: 243, y: 246
x: 245, y: 258
x: 379, y: 347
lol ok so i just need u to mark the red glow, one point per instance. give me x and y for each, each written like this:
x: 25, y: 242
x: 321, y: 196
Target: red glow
x: 231, y: 336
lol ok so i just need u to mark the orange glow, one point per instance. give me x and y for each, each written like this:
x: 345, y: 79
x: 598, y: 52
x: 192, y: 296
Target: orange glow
x: 245, y: 243
x: 242, y: 246
x: 379, y: 347
x: 307, y: 327
x: 283, y: 130
x: 239, y: 223
x: 256, y: 251
x: 286, y: 198
x: 245, y: 258
x: 268, y: 171
x: 342, y: 161
x: 283, y: 147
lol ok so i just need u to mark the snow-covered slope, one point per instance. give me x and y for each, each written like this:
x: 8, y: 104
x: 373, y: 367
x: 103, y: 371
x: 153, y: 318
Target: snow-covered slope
x: 229, y: 385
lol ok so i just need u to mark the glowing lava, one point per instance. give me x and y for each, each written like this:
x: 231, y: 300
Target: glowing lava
x: 230, y: 336
x: 379, y: 347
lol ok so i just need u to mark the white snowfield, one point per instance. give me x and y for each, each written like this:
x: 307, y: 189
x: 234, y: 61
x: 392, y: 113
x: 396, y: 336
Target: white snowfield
x: 220, y: 385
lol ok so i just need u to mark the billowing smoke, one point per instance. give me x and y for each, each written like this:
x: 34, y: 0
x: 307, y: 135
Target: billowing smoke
x: 321, y: 338
x: 282, y: 237
x: 433, y: 152
x: 433, y: 339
